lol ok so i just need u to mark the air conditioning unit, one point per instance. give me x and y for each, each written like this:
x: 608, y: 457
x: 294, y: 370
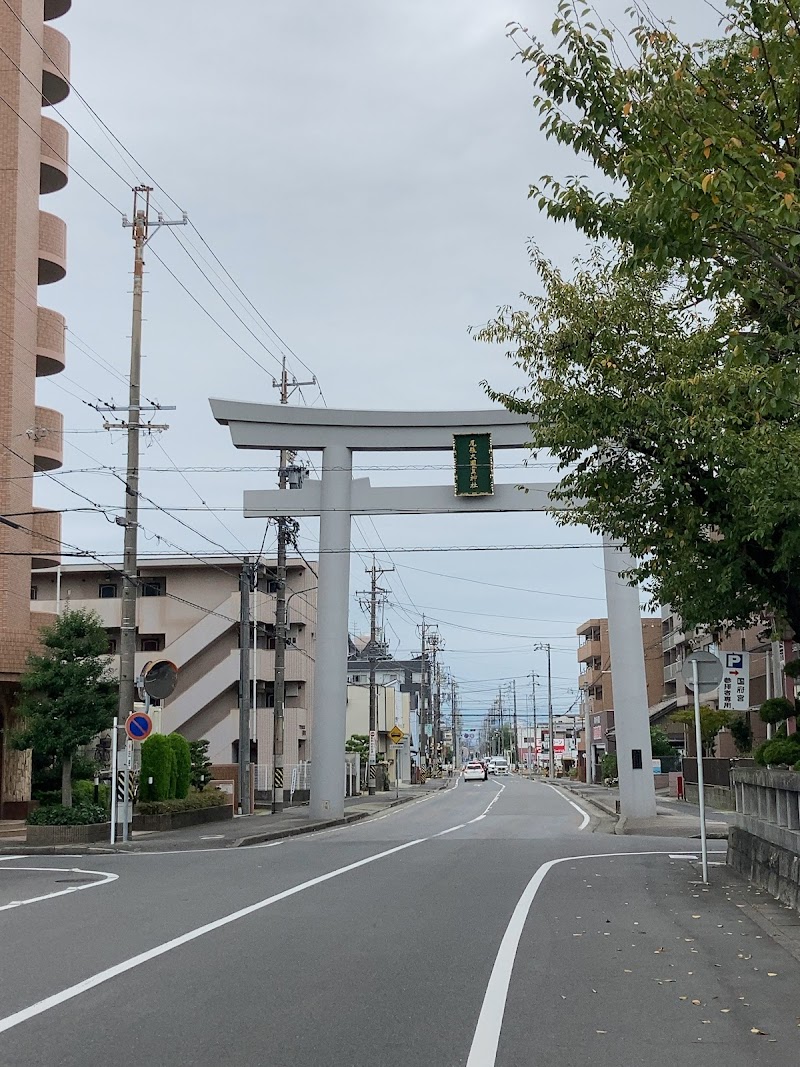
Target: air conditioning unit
x: 291, y: 689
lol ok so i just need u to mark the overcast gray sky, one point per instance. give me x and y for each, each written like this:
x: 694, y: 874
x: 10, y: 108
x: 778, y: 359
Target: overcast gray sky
x: 361, y: 168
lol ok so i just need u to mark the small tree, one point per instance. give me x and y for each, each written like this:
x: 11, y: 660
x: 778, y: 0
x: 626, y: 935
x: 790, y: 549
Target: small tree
x: 358, y: 743
x: 712, y: 720
x: 66, y: 694
x: 742, y: 734
x: 200, y: 773
x: 775, y: 710
x: 660, y: 748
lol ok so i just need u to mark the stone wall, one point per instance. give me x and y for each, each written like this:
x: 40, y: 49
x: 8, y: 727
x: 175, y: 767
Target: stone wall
x: 717, y: 796
x: 766, y: 864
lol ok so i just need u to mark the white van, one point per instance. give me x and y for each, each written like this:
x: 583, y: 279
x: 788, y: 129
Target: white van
x: 498, y: 765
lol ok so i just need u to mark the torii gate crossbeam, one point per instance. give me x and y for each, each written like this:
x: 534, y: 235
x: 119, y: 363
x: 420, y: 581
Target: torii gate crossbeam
x: 338, y: 433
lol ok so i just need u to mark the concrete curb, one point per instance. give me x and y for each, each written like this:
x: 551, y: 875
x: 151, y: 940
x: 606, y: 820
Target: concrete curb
x: 241, y: 842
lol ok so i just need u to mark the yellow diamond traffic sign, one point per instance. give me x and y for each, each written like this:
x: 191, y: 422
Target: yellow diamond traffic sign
x: 396, y: 735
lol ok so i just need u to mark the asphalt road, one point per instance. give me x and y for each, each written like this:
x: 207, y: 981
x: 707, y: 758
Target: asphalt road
x: 477, y: 926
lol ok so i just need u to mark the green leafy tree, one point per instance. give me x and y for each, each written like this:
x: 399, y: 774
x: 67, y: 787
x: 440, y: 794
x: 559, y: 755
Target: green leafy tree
x: 779, y: 751
x: 664, y: 376
x: 200, y: 774
x: 358, y: 743
x: 66, y: 694
x: 775, y: 710
x: 742, y: 734
x: 660, y: 748
x: 712, y: 720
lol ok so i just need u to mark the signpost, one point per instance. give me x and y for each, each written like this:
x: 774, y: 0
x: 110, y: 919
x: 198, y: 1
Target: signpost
x: 734, y: 691
x: 396, y: 735
x: 138, y: 726
x: 472, y: 453
x: 702, y: 672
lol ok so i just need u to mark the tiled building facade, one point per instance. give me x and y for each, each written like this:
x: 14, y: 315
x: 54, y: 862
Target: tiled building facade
x: 34, y: 74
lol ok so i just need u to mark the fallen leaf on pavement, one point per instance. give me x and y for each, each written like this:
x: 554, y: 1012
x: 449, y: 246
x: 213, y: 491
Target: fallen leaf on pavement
x: 695, y: 1002
x: 755, y: 1030
x: 770, y: 974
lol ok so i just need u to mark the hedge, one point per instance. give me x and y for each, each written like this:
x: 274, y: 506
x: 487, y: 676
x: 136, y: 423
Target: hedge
x: 82, y: 815
x: 209, y: 798
x: 183, y: 765
x: 157, y: 761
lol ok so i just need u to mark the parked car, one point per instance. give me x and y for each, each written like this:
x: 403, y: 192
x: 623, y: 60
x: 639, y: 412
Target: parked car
x: 474, y: 772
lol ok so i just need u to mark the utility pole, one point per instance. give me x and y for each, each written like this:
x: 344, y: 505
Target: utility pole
x: 516, y: 736
x: 423, y: 704
x: 545, y: 646
x: 501, y: 748
x: 376, y: 651
x: 455, y: 726
x: 245, y: 643
x: 143, y: 229
x: 535, y: 724
x: 281, y: 621
x: 435, y: 643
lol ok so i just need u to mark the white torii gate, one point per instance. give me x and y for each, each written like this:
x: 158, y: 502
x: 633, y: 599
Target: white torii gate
x: 337, y: 497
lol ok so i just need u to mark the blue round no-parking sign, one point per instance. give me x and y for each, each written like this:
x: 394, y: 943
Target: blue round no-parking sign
x: 138, y: 726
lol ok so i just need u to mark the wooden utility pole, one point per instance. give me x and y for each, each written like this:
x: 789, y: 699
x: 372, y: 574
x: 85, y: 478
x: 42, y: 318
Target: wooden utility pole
x: 376, y: 651
x: 143, y: 229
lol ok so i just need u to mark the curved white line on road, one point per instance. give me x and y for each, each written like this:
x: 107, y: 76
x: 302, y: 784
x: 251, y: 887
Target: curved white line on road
x: 586, y: 817
x: 102, y: 879
x: 483, y: 1051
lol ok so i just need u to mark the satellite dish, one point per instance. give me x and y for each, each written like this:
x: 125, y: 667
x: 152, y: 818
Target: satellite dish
x: 159, y: 678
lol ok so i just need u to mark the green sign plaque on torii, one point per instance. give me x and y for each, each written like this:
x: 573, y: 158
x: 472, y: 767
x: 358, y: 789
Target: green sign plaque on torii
x: 472, y: 457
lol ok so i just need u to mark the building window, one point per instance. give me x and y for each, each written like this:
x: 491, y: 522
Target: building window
x: 108, y: 591
x: 265, y: 695
x: 34, y: 592
x: 152, y: 586
x: 151, y: 644
x: 112, y: 647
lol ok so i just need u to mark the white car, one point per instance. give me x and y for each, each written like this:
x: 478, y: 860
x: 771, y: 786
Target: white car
x: 474, y: 772
x: 498, y: 765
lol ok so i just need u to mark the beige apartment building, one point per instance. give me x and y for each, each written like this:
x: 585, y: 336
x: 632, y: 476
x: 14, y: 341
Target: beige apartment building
x: 34, y: 74
x: 187, y: 611
x: 594, y: 680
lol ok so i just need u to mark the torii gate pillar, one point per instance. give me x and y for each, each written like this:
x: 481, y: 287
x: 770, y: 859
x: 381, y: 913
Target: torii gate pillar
x: 337, y: 497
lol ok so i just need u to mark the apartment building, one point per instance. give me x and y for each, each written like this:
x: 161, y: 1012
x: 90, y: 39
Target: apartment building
x: 187, y: 612
x: 33, y: 162
x: 595, y: 684
x: 766, y: 669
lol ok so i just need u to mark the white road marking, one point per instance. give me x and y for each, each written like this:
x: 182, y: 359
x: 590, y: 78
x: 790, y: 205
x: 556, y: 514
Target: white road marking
x: 42, y: 1006
x: 103, y: 879
x: 683, y: 855
x: 483, y: 1051
x: 8, y: 859
x: 485, y: 811
x: 586, y: 817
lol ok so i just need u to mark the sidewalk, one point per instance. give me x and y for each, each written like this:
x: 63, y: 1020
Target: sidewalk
x: 238, y: 832
x: 675, y: 818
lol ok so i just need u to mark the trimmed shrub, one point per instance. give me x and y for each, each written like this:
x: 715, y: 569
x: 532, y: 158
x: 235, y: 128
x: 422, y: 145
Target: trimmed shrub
x: 776, y: 709
x: 157, y: 759
x: 82, y: 815
x: 209, y: 798
x: 779, y: 752
x: 183, y: 765
x: 608, y: 765
x: 83, y: 793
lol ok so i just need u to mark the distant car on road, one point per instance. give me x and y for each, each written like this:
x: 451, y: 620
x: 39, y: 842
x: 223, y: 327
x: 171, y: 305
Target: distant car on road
x: 474, y: 772
x: 498, y: 765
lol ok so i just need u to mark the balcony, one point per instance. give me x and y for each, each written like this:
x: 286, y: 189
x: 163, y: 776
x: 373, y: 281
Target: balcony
x: 53, y: 169
x: 52, y: 248
x: 54, y: 9
x: 46, y: 539
x: 50, y: 329
x: 55, y: 67
x: 589, y: 650
x: 48, y: 439
x: 671, y: 671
